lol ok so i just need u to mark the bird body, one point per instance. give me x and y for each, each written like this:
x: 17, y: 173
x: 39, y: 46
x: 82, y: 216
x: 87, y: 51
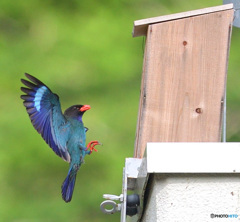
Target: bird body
x: 64, y: 133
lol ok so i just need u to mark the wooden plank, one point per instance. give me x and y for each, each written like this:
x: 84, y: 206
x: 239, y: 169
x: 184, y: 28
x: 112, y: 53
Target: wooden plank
x: 183, y: 80
x: 140, y: 26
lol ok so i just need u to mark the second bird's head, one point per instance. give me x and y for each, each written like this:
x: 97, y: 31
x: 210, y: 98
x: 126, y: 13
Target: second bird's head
x: 76, y: 111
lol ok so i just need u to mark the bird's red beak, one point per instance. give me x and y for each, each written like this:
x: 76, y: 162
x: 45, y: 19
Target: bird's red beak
x: 85, y: 108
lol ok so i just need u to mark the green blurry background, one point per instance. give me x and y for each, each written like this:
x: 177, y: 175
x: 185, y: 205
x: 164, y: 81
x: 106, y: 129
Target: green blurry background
x: 84, y: 51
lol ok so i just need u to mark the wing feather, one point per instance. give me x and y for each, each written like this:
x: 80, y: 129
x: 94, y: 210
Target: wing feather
x: 44, y: 108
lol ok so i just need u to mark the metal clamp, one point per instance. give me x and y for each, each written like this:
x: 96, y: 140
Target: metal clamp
x: 115, y: 207
x: 236, y: 7
x: 109, y: 202
x: 130, y: 173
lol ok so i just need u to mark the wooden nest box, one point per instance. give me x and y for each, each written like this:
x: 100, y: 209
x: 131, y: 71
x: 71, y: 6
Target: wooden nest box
x: 184, y: 76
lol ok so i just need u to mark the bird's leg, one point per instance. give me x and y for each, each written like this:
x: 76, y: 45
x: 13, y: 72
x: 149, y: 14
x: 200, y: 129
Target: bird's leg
x: 91, y: 146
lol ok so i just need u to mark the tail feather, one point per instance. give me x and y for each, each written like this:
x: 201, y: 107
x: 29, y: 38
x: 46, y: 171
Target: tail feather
x: 68, y: 185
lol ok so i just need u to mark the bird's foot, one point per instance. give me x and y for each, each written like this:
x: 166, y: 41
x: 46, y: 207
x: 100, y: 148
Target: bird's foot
x: 91, y: 146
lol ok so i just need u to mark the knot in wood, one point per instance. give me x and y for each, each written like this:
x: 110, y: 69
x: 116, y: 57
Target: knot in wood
x: 199, y: 110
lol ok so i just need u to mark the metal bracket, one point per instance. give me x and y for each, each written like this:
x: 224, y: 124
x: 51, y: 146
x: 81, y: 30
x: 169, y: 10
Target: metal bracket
x: 130, y: 174
x: 109, y: 202
x: 236, y: 7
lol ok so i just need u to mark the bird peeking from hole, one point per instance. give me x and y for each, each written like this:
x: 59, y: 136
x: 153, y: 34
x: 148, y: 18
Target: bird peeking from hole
x: 64, y: 133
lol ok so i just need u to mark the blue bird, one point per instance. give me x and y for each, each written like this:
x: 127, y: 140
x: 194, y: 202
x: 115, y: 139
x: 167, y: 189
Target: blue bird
x: 64, y: 133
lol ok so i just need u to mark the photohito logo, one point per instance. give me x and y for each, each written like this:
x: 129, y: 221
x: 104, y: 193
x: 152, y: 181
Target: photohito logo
x: 224, y: 215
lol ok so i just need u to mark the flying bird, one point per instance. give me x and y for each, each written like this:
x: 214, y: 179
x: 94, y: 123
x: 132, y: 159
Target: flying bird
x: 64, y: 133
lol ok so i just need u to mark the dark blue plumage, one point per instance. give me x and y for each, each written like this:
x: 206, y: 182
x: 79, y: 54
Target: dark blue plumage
x: 64, y: 133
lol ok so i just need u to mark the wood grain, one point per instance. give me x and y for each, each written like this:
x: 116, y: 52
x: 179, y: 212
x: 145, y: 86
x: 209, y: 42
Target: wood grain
x: 183, y: 81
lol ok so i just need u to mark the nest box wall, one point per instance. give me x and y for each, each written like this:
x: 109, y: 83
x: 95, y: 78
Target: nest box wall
x: 184, y: 76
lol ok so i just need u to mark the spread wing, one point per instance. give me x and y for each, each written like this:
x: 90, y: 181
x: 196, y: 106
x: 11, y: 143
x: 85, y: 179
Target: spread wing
x: 45, y: 112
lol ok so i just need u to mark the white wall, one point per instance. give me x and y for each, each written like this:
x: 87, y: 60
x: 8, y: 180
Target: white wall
x: 193, y: 197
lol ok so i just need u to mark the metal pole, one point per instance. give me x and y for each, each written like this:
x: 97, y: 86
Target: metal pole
x: 224, y: 117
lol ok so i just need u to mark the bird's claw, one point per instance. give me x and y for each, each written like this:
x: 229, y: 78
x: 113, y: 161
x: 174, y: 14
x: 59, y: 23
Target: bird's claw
x: 91, y: 146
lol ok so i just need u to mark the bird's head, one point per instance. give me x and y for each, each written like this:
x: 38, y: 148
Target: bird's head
x: 76, y: 111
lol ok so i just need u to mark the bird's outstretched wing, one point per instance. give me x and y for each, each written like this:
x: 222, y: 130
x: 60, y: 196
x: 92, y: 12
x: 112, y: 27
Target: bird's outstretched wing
x: 45, y: 112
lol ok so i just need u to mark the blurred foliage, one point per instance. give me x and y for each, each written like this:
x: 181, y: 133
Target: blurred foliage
x: 84, y: 51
